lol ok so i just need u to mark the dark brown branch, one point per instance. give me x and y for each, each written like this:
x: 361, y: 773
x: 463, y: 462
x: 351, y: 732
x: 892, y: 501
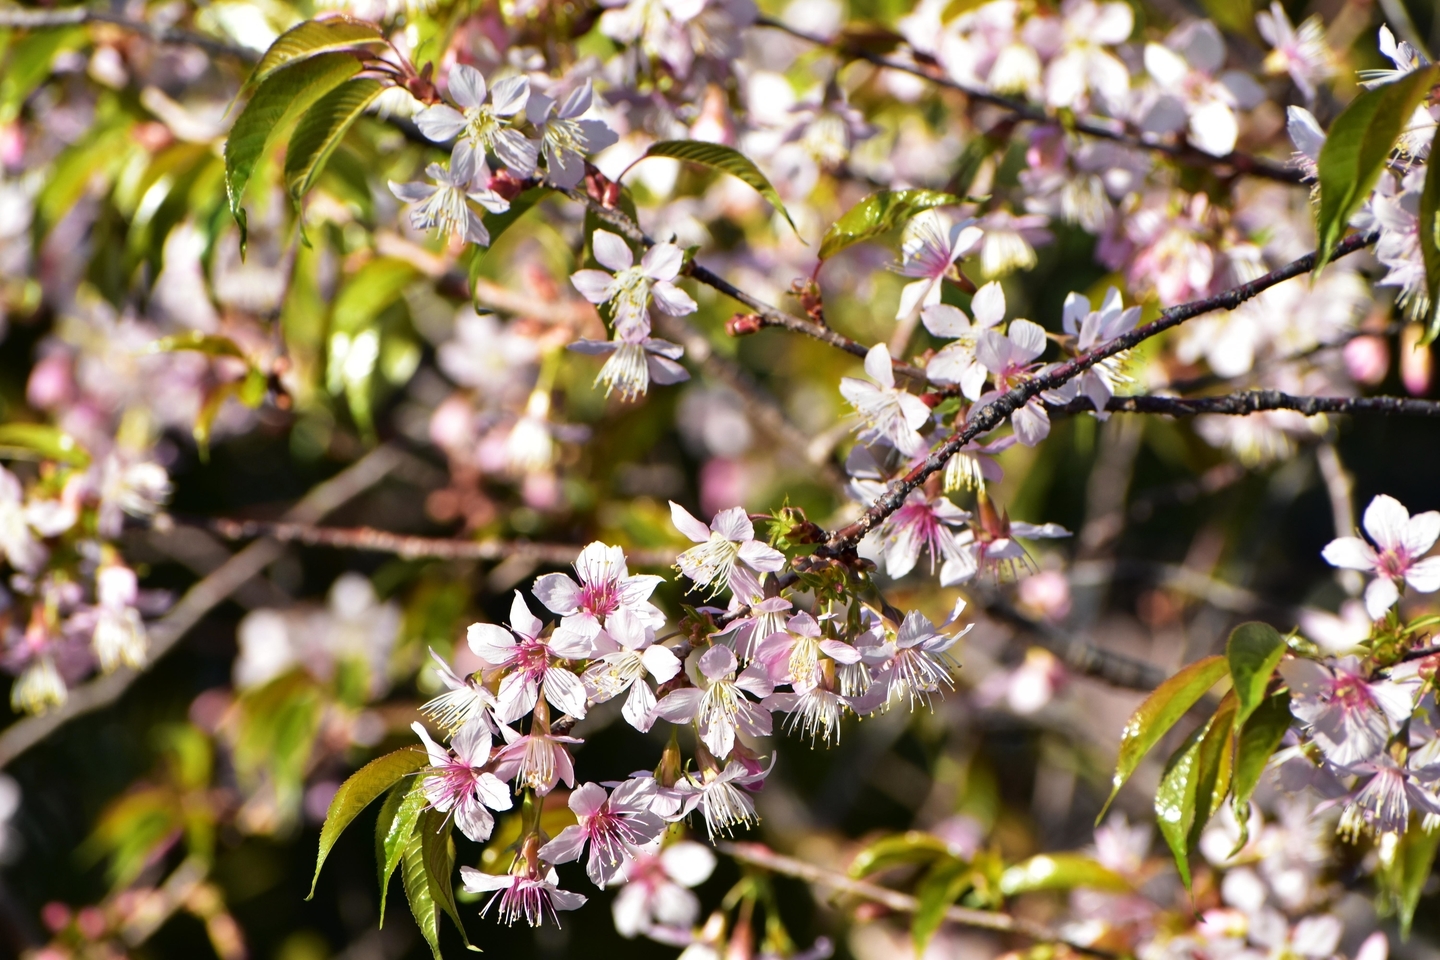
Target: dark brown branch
x: 758, y: 855
x: 1255, y: 401
x: 415, y: 548
x: 1242, y: 163
x: 993, y: 414
x: 75, y: 16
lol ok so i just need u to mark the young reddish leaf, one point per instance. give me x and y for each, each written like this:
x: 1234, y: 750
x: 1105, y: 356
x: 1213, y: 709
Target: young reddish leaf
x: 1357, y: 148
x: 355, y: 795
x: 1060, y: 871
x: 880, y: 213
x: 1158, y: 714
x: 725, y: 159
x: 1254, y: 650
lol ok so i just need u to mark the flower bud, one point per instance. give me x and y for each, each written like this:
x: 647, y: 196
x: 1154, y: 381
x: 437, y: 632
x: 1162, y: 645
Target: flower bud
x: 743, y: 324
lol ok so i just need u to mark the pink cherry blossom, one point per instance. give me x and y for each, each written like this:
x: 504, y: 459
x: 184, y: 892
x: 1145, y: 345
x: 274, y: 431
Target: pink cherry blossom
x: 534, y: 899
x: 614, y: 826
x: 537, y: 760
x: 931, y: 246
x: 1351, y: 719
x: 718, y: 707
x: 728, y: 539
x: 656, y: 899
x: 530, y: 664
x: 956, y: 362
x: 455, y: 780
x: 1400, y: 542
x: 632, y: 287
x: 605, y: 586
x: 625, y: 667
x: 889, y: 414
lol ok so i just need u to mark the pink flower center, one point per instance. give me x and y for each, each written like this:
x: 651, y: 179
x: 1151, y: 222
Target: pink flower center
x: 1352, y: 693
x: 1392, y: 563
x: 532, y: 657
x: 601, y: 598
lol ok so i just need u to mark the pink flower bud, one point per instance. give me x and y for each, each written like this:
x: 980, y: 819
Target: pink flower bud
x: 1367, y: 359
x: 51, y: 384
x: 1415, y: 361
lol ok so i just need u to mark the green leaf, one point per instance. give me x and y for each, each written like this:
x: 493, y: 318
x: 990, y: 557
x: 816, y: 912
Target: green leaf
x: 28, y: 62
x: 392, y: 832
x: 497, y: 224
x: 1254, y: 650
x: 1160, y: 711
x: 880, y: 213
x: 438, y: 853
x: 720, y: 157
x: 914, y: 846
x: 1175, y: 799
x: 418, y: 893
x: 320, y: 130
x: 40, y: 440
x: 1403, y: 880
x: 941, y: 887
x: 1430, y: 248
x: 1357, y: 148
x: 315, y: 37
x: 206, y: 343
x: 281, y: 97
x: 355, y: 795
x: 1216, y: 767
x: 1259, y: 739
x: 1059, y: 871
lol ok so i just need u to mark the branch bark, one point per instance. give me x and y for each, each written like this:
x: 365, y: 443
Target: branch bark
x: 758, y: 855
x: 199, y: 600
x: 1255, y: 401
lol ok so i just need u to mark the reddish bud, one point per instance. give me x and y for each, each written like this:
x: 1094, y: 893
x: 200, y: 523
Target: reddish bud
x: 507, y: 184
x: 743, y: 324
x: 932, y: 399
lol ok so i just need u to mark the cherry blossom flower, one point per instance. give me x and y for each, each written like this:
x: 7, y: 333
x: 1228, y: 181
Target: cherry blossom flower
x: 1405, y: 58
x: 922, y: 524
x: 931, y: 245
x: 721, y: 798
x: 1383, y: 798
x: 635, y: 361
x: 1396, y: 212
x: 889, y: 413
x: 815, y: 711
x: 1193, y: 92
x: 1304, y: 131
x: 443, y: 205
x: 605, y: 587
x: 625, y: 668
x: 119, y: 636
x: 533, y: 899
x: 1349, y: 718
x: 956, y: 363
x: 729, y: 538
x: 1082, y: 65
x: 656, y: 899
x: 565, y: 140
x: 756, y: 612
x: 137, y: 487
x: 915, y: 662
x: 632, y: 287
x: 464, y: 701
x: 454, y: 781
x: 1009, y: 241
x: 719, y: 707
x: 530, y: 664
x: 1027, y: 688
x: 1095, y: 328
x: 793, y: 655
x: 1009, y: 358
x: 17, y: 541
x: 483, y: 125
x: 1401, y: 541
x: 614, y: 826
x: 1302, y: 53
x: 537, y: 760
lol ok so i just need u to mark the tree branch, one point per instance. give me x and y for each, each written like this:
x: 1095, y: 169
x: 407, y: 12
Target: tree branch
x: 987, y: 418
x: 1254, y: 401
x: 1242, y: 163
x: 758, y: 855
x: 75, y: 16
x: 199, y: 600
x: 412, y: 547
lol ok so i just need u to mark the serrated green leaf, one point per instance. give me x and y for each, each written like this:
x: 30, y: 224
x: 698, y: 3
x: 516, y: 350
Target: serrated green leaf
x: 314, y: 37
x: 1253, y: 651
x: 43, y: 441
x: 1059, y: 871
x: 1160, y: 711
x: 1258, y: 741
x: 880, y: 213
x: 319, y: 132
x: 941, y: 887
x: 913, y: 846
x: 1429, y: 237
x: 1175, y: 799
x: 355, y: 795
x: 438, y: 852
x: 284, y: 95
x: 418, y: 893
x: 1216, y: 768
x: 717, y: 156
x: 393, y: 833
x: 1357, y: 148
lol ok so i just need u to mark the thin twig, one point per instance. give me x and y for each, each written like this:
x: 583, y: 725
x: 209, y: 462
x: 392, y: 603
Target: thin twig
x: 75, y: 16
x: 413, y: 547
x: 1092, y: 126
x: 758, y: 855
x: 987, y: 418
x: 199, y: 600
x: 1254, y: 401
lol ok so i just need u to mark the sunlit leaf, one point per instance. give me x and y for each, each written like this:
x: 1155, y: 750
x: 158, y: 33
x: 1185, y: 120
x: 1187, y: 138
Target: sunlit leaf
x: 1154, y: 718
x: 720, y: 157
x: 1253, y: 651
x: 1357, y: 148
x: 912, y: 847
x: 1059, y: 871
x: 314, y: 37
x: 1429, y: 239
x: 1175, y: 799
x: 418, y: 893
x: 941, y: 887
x: 207, y: 343
x: 355, y: 795
x: 320, y: 130
x: 1403, y: 879
x: 880, y: 213
x: 438, y: 852
x: 1258, y: 741
x: 393, y: 828
x: 43, y: 442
